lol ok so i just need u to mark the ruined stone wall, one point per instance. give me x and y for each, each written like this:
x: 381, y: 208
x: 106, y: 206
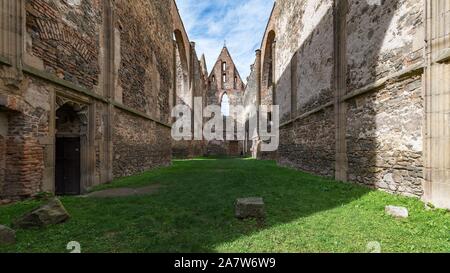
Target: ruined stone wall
x: 146, y: 48
x: 63, y: 39
x: 376, y: 116
x: 384, y: 128
x: 233, y: 86
x: 384, y: 138
x: 145, y: 78
x: 25, y: 128
x: 304, y: 70
x: 112, y: 61
x: 139, y: 145
x: 200, y: 86
x: 190, y: 148
x: 382, y: 40
x: 249, y: 97
x: 309, y: 144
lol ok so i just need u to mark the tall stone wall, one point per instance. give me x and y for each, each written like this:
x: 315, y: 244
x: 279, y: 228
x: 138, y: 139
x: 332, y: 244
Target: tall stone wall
x: 384, y: 138
x: 146, y: 49
x: 304, y: 82
x: 384, y: 128
x: 63, y: 38
x: 145, y: 77
x: 348, y: 79
x: 139, y: 145
x: 110, y: 62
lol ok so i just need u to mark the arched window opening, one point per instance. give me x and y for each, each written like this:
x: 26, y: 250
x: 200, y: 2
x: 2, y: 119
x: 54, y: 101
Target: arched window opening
x: 224, y: 66
x: 235, y: 82
x: 224, y: 78
x: 269, y: 60
x: 225, y: 105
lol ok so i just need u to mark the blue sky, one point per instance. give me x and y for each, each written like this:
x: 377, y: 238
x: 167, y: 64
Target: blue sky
x: 240, y: 22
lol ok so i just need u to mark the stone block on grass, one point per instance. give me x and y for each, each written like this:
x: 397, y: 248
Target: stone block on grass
x: 7, y: 236
x: 51, y: 213
x: 250, y: 208
x: 397, y: 212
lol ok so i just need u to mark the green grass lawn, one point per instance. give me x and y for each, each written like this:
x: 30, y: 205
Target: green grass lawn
x: 194, y: 212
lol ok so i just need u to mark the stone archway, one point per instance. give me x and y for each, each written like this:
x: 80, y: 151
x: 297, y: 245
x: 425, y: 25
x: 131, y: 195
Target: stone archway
x: 71, y: 147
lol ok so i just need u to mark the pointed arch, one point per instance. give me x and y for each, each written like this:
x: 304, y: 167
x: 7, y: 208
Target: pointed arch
x: 268, y: 76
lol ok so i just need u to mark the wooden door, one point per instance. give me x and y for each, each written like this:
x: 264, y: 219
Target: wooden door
x: 68, y: 166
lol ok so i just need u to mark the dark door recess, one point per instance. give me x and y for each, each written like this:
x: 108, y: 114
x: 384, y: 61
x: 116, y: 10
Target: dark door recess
x: 67, y: 166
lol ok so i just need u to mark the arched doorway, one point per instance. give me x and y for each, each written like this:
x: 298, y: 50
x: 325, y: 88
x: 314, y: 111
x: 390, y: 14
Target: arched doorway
x: 70, y: 129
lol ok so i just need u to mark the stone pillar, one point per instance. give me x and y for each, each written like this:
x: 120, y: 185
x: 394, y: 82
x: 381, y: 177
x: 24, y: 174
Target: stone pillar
x: 258, y: 71
x: 109, y: 88
x: 340, y: 87
x: 437, y: 106
x: 258, y: 76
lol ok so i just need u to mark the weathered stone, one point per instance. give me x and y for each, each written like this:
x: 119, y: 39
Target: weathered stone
x: 7, y: 236
x: 51, y: 213
x: 250, y: 208
x: 397, y: 212
x: 116, y: 55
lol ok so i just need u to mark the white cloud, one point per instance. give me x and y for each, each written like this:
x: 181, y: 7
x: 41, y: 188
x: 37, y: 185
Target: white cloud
x: 241, y: 23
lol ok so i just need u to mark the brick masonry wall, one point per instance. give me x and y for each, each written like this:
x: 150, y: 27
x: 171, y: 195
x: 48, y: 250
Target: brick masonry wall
x: 66, y: 38
x: 23, y: 153
x: 190, y: 148
x: 139, y: 145
x: 145, y: 73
